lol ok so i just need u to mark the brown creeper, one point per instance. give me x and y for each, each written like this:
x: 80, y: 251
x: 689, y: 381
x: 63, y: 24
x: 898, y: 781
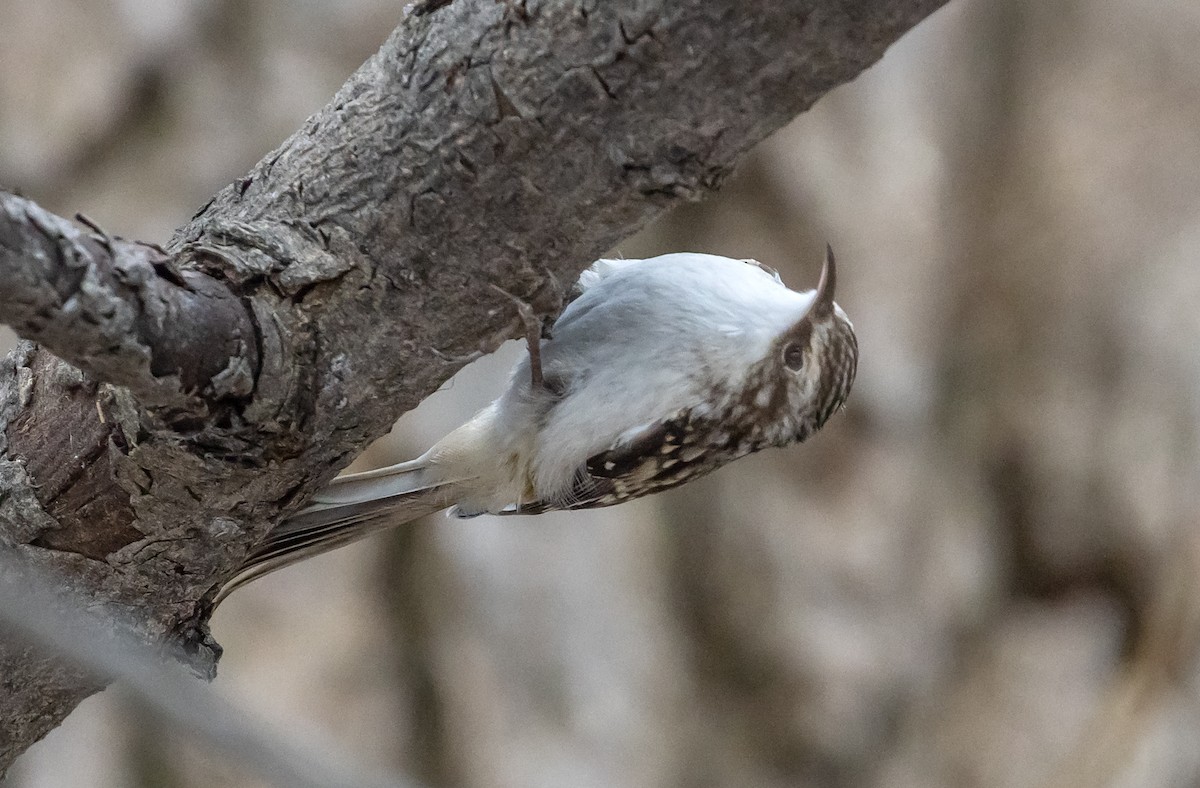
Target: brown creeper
x: 661, y: 370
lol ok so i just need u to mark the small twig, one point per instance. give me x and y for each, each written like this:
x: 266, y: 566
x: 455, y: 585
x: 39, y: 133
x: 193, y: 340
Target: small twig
x: 423, y: 7
x: 37, y: 610
x: 97, y: 229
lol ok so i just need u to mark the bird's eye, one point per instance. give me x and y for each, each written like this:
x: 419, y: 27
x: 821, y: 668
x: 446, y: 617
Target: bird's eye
x: 793, y: 357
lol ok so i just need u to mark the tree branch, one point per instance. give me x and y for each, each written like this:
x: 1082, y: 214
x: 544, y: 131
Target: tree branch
x: 485, y: 144
x: 33, y: 610
x: 123, y: 310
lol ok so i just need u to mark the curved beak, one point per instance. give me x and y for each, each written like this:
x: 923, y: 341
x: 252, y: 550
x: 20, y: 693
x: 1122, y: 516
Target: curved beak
x: 823, y: 304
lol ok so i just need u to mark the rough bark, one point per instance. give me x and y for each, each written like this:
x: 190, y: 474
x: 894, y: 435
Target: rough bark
x: 123, y: 310
x: 502, y: 143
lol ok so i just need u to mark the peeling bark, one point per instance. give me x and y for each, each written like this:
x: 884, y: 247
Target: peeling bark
x: 485, y: 144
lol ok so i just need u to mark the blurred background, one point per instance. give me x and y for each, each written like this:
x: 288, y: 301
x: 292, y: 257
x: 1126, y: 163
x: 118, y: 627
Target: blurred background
x: 985, y: 572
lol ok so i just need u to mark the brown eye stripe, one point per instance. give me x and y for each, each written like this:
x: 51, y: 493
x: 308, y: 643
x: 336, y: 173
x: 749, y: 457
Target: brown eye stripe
x: 800, y: 334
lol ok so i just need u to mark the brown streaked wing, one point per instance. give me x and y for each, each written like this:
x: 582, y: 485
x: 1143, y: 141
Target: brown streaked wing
x: 662, y: 455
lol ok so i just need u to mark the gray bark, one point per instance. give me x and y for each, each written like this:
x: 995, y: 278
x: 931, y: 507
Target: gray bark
x: 123, y: 311
x: 504, y: 143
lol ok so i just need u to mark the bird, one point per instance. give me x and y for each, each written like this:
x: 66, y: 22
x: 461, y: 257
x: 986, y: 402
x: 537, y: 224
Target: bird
x: 657, y: 371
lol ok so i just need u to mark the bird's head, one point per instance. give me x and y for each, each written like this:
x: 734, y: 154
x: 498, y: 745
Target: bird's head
x: 809, y: 368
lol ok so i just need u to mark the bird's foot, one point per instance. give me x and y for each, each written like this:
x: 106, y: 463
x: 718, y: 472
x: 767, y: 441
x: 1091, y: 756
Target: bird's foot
x: 536, y: 329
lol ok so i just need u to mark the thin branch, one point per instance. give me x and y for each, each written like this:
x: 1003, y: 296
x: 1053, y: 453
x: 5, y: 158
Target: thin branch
x: 122, y: 310
x: 36, y: 610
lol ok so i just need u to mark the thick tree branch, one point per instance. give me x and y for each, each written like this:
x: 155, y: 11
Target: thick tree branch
x: 123, y: 310
x: 486, y: 143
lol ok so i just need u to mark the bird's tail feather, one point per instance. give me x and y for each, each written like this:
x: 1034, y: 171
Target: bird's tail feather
x: 348, y: 509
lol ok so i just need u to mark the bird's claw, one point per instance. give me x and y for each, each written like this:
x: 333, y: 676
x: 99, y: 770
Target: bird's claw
x: 535, y: 331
